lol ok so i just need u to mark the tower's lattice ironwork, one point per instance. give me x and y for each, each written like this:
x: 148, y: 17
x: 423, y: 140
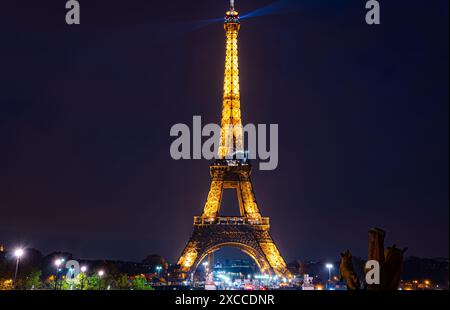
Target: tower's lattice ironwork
x: 249, y: 231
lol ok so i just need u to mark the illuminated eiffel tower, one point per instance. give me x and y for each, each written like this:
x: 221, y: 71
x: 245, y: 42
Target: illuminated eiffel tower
x: 250, y: 231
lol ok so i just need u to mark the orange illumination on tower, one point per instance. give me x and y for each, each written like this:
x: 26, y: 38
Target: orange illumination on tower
x: 231, y: 140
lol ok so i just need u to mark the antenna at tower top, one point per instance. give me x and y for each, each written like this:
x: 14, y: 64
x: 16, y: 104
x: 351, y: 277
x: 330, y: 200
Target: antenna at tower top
x: 232, y: 16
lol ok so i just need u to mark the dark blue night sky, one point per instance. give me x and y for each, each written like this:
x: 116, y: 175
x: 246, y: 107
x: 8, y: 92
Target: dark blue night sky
x: 85, y: 114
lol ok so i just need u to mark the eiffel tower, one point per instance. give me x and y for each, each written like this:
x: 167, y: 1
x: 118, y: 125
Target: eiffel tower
x: 250, y: 231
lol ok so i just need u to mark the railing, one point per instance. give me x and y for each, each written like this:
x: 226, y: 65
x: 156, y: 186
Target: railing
x: 231, y: 220
x: 232, y: 162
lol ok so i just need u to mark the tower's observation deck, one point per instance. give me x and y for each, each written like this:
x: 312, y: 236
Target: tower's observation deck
x: 231, y: 220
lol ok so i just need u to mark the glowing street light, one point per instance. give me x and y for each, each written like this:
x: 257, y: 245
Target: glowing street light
x: 100, y: 273
x: 58, y: 262
x: 158, y: 270
x: 206, y: 264
x: 83, y: 269
x: 329, y: 267
x: 18, y: 253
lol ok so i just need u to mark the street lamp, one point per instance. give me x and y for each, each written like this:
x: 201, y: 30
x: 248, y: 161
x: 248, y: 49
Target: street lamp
x: 58, y: 263
x: 329, y: 267
x: 158, y: 269
x: 83, y: 269
x: 100, y: 273
x: 18, y: 254
x: 205, y: 264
